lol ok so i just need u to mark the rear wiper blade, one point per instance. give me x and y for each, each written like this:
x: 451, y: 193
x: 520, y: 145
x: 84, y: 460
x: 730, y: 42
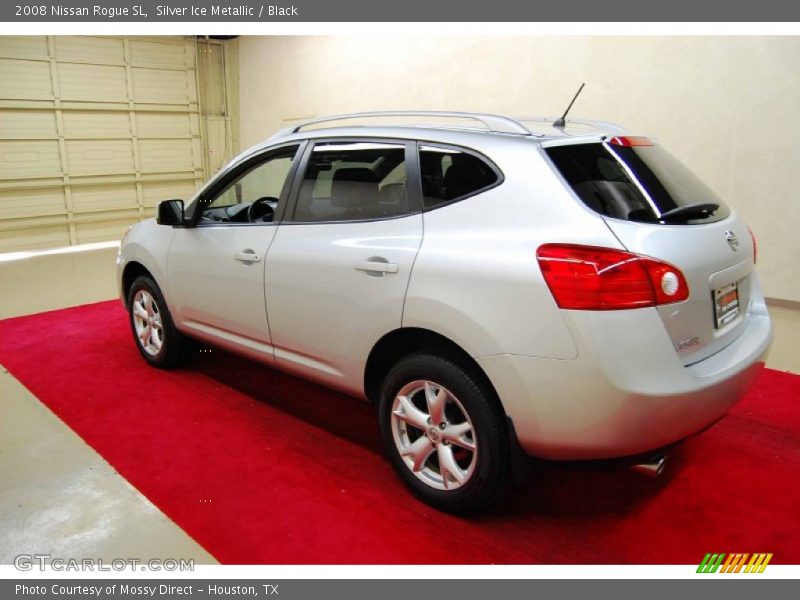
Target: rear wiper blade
x: 701, y: 210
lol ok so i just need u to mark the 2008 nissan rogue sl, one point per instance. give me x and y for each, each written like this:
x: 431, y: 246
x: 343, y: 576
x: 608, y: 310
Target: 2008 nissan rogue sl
x: 570, y: 290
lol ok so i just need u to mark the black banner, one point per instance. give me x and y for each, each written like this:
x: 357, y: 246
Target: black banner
x: 455, y: 11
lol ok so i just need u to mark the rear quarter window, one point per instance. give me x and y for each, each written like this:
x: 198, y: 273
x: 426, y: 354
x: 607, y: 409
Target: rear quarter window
x: 450, y: 174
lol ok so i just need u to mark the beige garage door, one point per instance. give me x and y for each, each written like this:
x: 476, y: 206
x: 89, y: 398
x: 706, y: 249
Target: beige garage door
x: 94, y: 131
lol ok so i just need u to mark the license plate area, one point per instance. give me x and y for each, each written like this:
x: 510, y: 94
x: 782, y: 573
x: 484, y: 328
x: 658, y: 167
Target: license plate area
x: 726, y: 305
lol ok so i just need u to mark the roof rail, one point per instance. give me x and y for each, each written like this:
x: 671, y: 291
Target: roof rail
x: 494, y: 123
x: 602, y: 126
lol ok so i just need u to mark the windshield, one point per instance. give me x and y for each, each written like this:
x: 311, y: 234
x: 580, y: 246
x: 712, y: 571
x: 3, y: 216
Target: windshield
x: 637, y: 183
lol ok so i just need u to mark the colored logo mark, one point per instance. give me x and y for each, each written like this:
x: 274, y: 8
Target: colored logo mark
x: 734, y: 563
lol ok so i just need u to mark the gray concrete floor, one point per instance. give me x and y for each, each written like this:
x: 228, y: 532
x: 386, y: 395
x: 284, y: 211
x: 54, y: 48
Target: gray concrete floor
x: 59, y: 496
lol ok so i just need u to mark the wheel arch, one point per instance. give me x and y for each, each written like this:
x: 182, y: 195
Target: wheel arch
x: 407, y: 340
x: 133, y: 270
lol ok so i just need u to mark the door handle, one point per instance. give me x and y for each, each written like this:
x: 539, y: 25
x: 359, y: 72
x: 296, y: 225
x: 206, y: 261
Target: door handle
x: 247, y: 256
x: 377, y: 266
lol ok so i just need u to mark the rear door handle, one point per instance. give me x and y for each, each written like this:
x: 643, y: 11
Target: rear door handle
x: 247, y: 256
x: 377, y: 267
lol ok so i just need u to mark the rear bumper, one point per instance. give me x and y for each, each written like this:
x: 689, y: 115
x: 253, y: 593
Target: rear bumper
x: 627, y: 391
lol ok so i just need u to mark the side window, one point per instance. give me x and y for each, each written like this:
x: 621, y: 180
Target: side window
x: 449, y: 174
x: 352, y: 181
x: 254, y: 195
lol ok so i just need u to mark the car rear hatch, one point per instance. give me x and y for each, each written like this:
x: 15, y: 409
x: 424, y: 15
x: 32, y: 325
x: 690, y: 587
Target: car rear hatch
x: 656, y: 207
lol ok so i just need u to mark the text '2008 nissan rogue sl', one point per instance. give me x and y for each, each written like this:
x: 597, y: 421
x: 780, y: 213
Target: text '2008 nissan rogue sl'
x: 570, y: 290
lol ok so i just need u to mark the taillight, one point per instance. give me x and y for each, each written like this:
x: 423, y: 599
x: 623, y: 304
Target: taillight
x: 755, y: 246
x: 630, y: 140
x: 593, y: 278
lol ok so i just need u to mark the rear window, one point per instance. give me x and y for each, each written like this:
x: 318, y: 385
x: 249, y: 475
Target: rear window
x: 637, y: 183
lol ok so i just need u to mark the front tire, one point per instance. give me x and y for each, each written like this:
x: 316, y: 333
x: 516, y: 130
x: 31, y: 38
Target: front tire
x: 154, y: 332
x: 445, y: 433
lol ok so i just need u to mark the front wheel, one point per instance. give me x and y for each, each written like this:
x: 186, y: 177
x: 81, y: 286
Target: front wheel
x: 445, y: 433
x: 157, y: 339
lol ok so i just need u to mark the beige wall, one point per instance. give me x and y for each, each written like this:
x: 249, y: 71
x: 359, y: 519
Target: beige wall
x: 728, y: 106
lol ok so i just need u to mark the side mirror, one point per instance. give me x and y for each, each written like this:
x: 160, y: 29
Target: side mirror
x: 170, y: 212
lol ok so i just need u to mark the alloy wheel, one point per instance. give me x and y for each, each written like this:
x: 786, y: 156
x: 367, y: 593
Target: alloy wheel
x: 434, y: 435
x: 147, y: 322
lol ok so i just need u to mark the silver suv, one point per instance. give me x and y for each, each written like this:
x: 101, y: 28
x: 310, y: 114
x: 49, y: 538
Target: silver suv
x: 494, y: 284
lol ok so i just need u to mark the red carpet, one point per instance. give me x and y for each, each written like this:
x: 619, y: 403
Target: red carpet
x: 259, y: 467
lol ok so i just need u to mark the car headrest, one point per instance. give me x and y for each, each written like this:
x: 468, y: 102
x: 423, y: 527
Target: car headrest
x: 461, y: 178
x: 354, y: 186
x: 392, y: 194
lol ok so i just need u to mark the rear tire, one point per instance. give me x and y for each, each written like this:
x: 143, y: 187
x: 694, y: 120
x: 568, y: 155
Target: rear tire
x: 445, y: 433
x: 154, y: 332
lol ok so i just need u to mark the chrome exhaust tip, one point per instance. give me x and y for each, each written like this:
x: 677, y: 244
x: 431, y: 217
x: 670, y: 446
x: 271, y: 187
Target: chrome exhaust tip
x: 653, y: 468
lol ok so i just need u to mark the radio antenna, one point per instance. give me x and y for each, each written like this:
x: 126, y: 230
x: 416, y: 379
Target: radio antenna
x: 562, y: 122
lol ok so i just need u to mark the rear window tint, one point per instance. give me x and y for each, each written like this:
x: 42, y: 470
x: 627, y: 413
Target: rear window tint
x: 449, y: 175
x: 637, y: 183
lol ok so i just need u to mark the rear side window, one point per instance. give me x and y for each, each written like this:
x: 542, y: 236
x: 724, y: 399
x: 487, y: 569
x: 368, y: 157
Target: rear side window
x: 449, y: 175
x: 352, y: 182
x: 638, y: 182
